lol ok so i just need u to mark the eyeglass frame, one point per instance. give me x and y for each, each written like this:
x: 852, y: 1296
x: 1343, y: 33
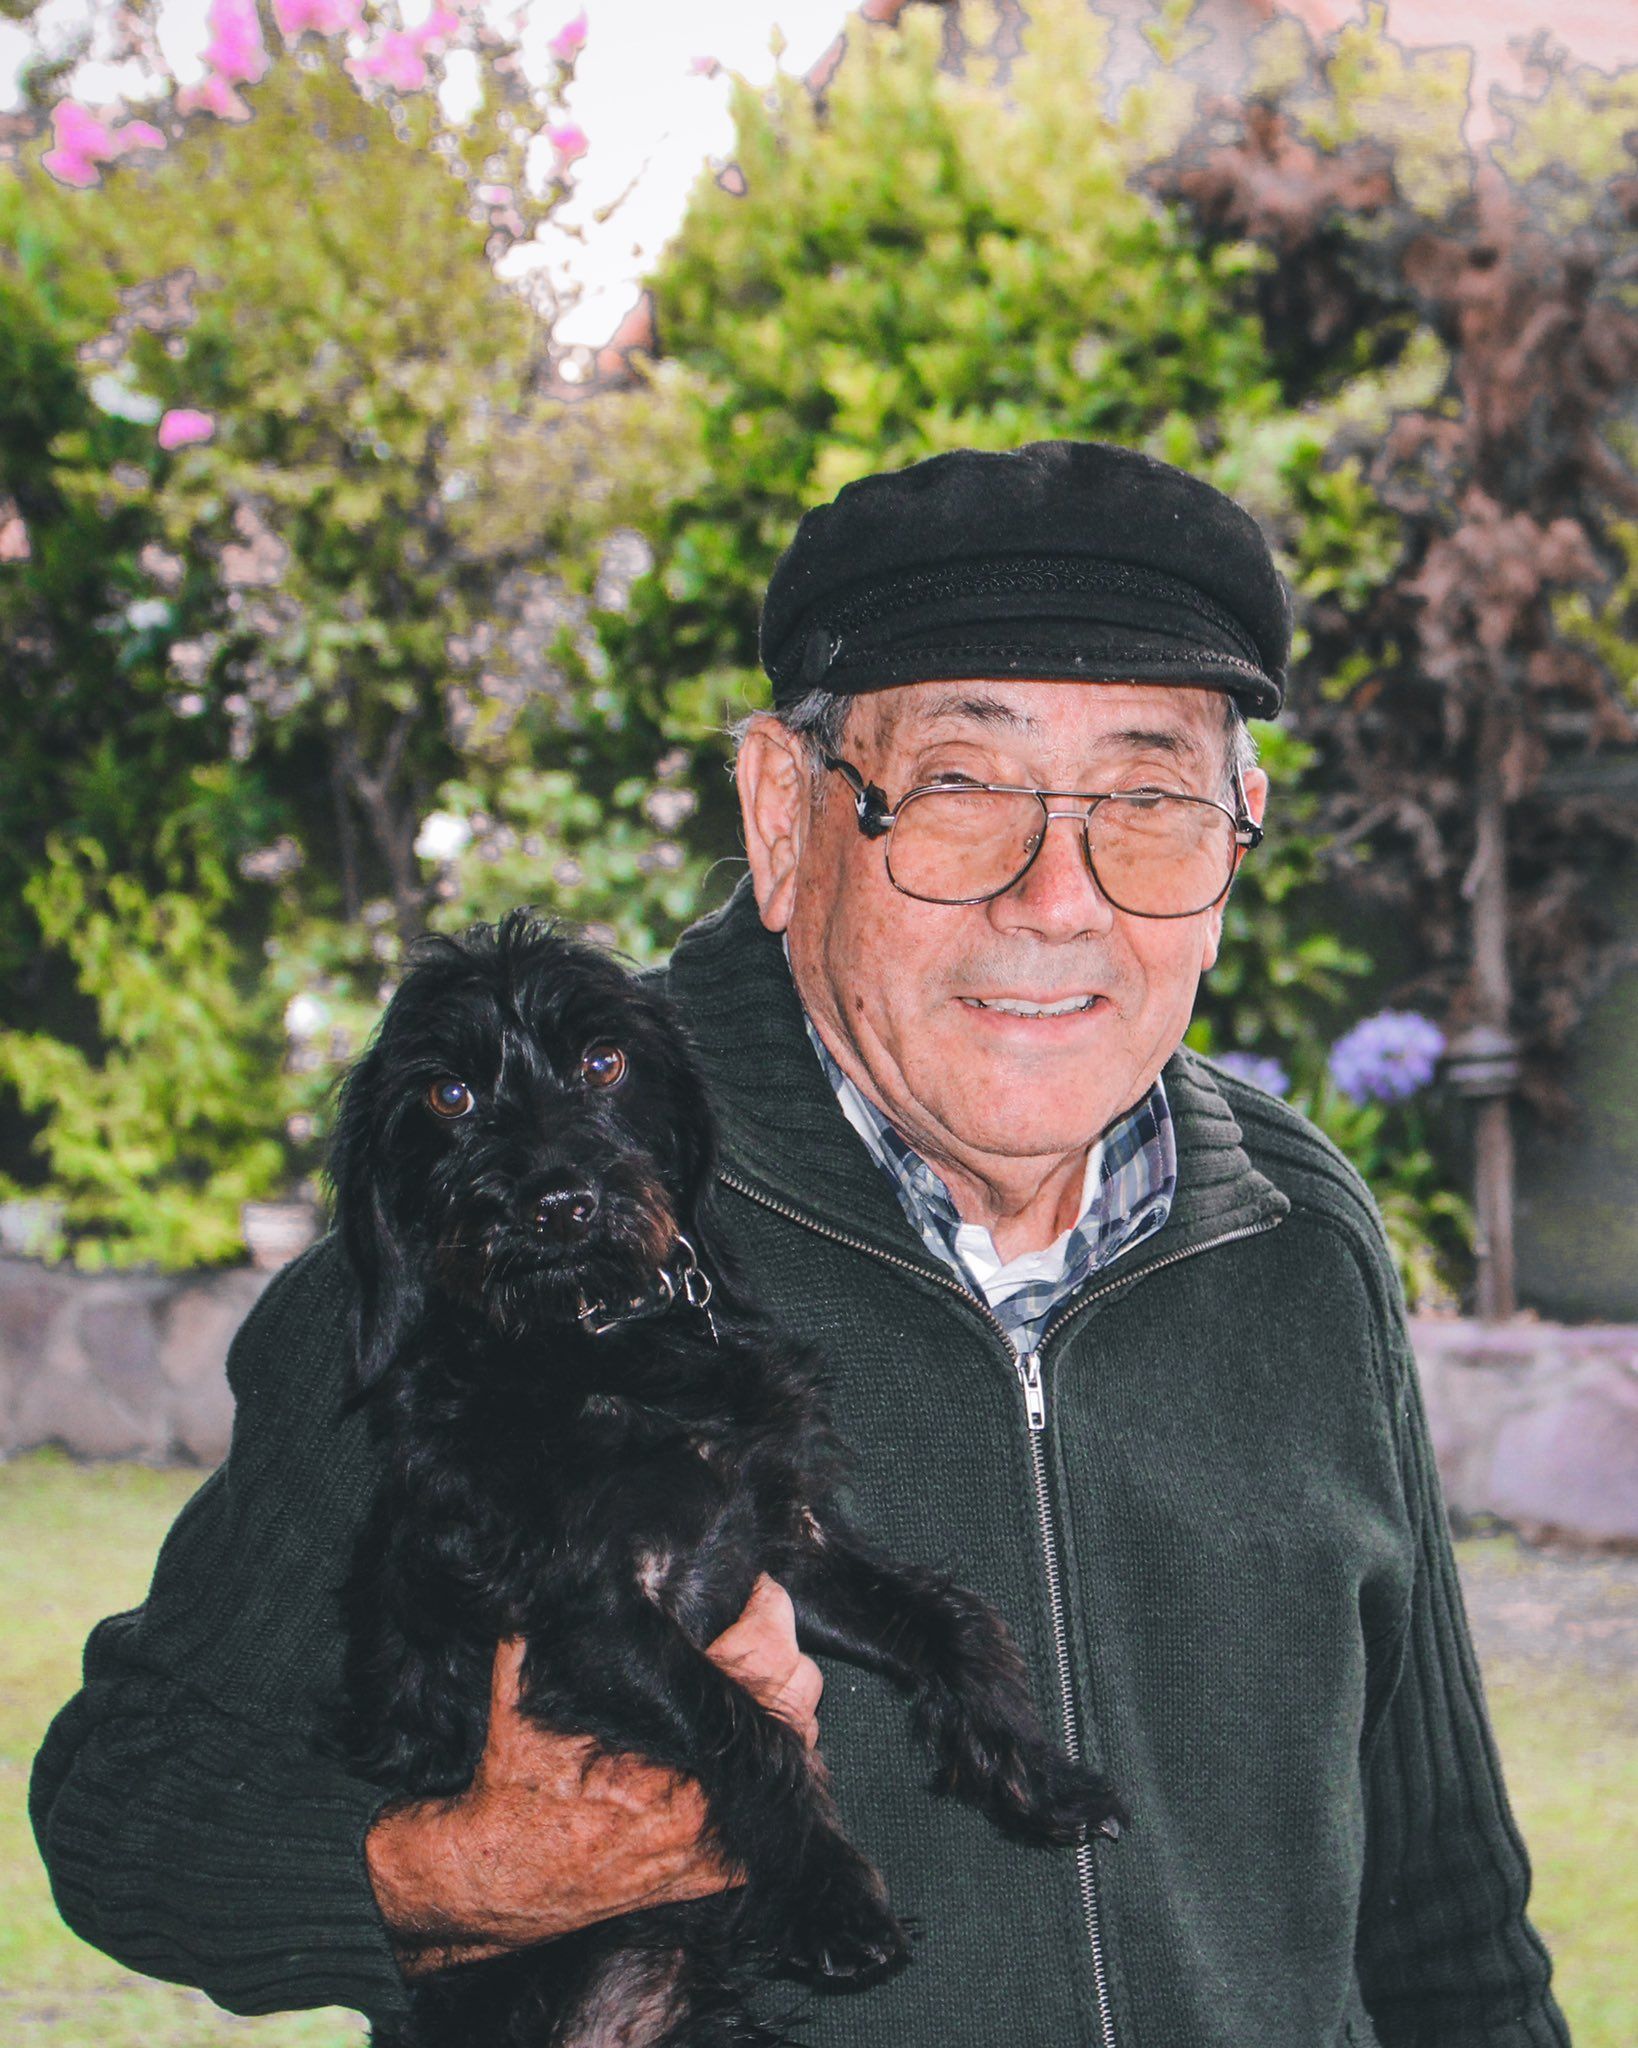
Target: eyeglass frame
x: 877, y: 817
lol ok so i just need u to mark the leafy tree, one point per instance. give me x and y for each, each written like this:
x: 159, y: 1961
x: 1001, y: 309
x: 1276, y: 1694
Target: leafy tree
x: 274, y: 437
x: 155, y: 1141
x: 77, y: 629
x: 1490, y: 650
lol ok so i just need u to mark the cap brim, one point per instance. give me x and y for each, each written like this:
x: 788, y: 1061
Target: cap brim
x: 1071, y: 655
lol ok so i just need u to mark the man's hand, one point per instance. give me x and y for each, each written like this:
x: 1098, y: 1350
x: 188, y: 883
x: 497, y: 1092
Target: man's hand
x: 553, y: 1834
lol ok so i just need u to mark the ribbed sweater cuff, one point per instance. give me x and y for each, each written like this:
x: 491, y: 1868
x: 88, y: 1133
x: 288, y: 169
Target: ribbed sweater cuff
x: 212, y: 1853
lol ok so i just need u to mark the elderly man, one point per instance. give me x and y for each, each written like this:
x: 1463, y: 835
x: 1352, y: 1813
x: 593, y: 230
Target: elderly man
x: 1116, y: 1336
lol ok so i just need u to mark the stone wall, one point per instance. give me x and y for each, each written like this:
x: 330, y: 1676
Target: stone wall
x: 1534, y: 1422
x: 119, y: 1365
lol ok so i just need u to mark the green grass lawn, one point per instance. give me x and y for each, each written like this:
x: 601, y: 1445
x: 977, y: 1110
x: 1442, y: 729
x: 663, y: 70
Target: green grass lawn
x: 77, y: 1543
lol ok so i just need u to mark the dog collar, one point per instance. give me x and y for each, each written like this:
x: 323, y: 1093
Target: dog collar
x: 690, y: 1281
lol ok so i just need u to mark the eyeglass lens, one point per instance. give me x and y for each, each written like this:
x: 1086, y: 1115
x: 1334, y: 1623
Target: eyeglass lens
x: 1155, y: 856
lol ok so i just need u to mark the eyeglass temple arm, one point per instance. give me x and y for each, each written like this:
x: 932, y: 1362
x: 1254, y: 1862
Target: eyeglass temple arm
x: 1247, y: 832
x: 875, y: 817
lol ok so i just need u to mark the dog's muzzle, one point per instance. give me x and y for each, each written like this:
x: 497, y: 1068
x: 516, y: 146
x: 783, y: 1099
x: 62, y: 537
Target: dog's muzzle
x: 689, y: 1282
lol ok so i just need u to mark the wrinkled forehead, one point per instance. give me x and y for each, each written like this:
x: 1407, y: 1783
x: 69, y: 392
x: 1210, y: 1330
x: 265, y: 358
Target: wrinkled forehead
x: 1085, y: 720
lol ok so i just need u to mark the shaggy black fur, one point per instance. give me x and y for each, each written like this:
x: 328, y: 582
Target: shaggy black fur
x: 578, y: 1454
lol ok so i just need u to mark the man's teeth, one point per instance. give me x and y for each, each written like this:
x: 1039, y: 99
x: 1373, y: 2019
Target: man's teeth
x: 1017, y: 1009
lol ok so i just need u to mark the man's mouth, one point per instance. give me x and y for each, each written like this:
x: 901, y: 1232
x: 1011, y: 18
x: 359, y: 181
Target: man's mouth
x: 1022, y: 1006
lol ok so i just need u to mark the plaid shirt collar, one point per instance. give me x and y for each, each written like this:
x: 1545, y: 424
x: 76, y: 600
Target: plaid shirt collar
x: 1131, y: 1178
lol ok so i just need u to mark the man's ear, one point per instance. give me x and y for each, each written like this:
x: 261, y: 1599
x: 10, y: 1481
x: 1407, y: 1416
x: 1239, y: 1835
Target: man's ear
x: 1256, y: 788
x: 775, y: 804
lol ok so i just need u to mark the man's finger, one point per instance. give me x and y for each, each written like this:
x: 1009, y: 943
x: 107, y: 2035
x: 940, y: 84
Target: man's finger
x: 763, y: 1639
x: 506, y: 1673
x: 760, y: 1652
x: 800, y: 1696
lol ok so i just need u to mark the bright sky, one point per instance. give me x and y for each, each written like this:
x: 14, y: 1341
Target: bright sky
x: 649, y: 116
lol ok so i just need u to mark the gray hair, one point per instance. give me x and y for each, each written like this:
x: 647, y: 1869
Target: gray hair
x: 819, y: 719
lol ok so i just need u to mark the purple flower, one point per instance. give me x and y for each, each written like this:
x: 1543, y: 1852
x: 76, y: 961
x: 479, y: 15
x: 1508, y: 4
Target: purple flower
x: 1387, y: 1057
x: 1249, y: 1066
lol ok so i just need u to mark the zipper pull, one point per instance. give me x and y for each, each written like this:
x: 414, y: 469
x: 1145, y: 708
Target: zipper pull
x: 1029, y: 1374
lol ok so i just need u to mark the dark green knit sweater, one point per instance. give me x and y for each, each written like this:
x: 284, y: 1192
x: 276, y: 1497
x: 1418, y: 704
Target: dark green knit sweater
x: 1225, y: 1555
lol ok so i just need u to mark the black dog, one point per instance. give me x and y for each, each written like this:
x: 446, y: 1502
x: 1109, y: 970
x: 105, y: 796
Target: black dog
x: 594, y: 1441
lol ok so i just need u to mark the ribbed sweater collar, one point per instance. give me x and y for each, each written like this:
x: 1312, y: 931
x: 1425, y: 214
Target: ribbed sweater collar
x: 783, y: 1133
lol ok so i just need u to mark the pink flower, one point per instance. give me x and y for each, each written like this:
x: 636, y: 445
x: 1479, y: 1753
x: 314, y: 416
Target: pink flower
x: 323, y: 17
x: 213, y: 95
x: 569, y: 141
x: 81, y: 133
x: 397, y: 61
x: 82, y: 142
x: 69, y: 169
x: 236, y: 51
x: 704, y: 67
x: 441, y: 22
x: 570, y: 39
x: 182, y: 425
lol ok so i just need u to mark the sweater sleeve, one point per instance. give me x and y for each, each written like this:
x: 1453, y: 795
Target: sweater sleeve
x: 191, y: 1822
x: 1446, y: 1955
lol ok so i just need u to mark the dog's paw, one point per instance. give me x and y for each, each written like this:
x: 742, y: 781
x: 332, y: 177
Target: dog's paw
x: 1035, y: 1792
x: 1067, y: 1803
x: 848, y: 1933
x: 857, y: 1950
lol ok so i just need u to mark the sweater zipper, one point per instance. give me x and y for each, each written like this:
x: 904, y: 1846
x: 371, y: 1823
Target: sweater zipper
x: 1027, y: 1368
x: 1029, y: 1374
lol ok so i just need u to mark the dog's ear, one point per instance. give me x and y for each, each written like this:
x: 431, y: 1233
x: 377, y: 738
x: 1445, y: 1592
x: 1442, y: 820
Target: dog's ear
x: 696, y: 1141
x: 694, y: 1136
x: 389, y: 1292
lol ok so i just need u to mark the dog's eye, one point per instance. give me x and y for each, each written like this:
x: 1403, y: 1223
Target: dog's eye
x: 602, y: 1066
x: 449, y: 1097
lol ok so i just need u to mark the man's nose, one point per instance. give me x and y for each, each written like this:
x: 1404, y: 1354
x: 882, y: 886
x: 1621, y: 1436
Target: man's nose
x: 1058, y: 894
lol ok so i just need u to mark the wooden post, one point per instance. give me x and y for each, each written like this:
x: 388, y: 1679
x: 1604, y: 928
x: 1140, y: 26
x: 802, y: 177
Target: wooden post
x: 1485, y: 886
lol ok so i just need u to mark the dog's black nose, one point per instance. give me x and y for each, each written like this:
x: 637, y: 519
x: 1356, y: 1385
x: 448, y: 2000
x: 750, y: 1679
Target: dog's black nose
x: 565, y: 1214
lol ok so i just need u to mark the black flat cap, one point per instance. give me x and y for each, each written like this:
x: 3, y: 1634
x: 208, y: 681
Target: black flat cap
x: 1065, y: 560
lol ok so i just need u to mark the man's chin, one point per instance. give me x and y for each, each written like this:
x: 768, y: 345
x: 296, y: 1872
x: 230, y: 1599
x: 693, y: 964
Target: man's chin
x: 1040, y: 1098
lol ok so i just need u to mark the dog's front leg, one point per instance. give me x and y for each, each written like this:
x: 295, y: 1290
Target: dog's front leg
x: 956, y: 1658
x: 811, y: 1902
